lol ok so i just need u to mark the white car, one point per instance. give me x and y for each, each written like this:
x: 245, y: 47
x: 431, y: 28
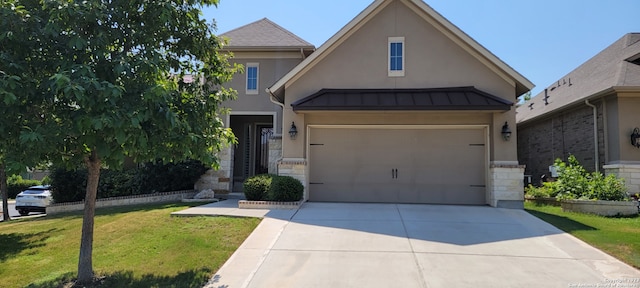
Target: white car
x: 34, y: 199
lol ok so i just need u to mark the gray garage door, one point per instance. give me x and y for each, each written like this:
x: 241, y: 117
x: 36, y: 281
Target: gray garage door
x: 445, y: 166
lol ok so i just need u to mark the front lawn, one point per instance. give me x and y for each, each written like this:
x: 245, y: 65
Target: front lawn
x: 619, y: 237
x: 141, y: 246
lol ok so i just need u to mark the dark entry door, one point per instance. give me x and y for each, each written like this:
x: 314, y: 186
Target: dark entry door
x: 263, y: 133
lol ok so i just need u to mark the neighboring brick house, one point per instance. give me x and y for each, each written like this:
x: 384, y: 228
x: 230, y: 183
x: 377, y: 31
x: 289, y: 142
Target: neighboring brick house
x: 398, y: 106
x: 560, y: 120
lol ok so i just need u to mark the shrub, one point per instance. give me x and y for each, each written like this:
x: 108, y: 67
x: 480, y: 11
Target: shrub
x: 607, y: 188
x: 165, y: 177
x: 15, y: 185
x: 114, y: 183
x: 256, y: 187
x: 68, y: 185
x: 285, y: 188
x: 574, y: 182
x: 536, y: 192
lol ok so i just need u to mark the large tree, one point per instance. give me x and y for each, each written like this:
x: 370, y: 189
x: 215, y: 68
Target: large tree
x: 21, y: 113
x: 125, y: 78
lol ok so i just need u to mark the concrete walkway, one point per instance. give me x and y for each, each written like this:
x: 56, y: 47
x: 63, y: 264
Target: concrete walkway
x: 397, y: 245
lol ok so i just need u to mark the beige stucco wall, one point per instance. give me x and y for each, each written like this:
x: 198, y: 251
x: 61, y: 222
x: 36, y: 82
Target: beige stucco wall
x: 628, y: 119
x: 432, y: 60
x: 612, y: 125
x: 272, y: 67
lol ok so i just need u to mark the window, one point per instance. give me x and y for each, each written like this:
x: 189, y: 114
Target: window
x: 252, y: 78
x: 396, y: 56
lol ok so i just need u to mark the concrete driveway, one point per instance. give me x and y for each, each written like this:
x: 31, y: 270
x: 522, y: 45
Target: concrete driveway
x: 398, y: 245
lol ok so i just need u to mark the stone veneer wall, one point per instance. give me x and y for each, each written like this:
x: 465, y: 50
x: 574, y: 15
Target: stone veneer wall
x: 296, y: 168
x: 218, y: 180
x: 630, y: 173
x: 506, y: 188
x: 275, y: 153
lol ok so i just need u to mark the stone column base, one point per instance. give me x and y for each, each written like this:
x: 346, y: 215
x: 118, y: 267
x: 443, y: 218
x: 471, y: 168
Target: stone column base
x: 506, y: 188
x: 629, y: 172
x: 275, y: 153
x: 296, y: 168
x: 218, y: 180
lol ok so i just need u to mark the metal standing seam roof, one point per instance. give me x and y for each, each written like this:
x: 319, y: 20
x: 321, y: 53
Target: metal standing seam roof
x: 262, y: 34
x: 427, y: 99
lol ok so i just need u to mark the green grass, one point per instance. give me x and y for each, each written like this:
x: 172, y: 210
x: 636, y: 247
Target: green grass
x: 617, y: 236
x: 141, y: 246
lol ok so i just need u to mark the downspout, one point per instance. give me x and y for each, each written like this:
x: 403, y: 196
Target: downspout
x: 595, y: 132
x: 275, y: 101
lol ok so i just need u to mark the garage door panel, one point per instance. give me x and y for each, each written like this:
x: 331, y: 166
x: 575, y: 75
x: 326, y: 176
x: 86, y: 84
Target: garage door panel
x: 398, y: 165
x: 352, y: 193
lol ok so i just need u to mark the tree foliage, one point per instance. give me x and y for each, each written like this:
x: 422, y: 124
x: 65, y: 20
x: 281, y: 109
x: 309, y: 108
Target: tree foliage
x: 98, y: 81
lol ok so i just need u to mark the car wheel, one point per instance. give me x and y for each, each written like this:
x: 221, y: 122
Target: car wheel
x: 23, y: 212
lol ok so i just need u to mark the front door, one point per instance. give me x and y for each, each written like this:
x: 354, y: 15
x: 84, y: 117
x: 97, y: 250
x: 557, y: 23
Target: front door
x: 251, y: 154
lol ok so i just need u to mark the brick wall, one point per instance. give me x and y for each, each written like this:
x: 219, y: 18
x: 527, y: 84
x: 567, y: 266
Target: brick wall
x: 540, y: 142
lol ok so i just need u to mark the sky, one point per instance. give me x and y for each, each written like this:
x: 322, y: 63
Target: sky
x: 541, y: 39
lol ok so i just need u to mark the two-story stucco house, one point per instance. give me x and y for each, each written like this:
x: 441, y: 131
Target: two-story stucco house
x: 398, y: 106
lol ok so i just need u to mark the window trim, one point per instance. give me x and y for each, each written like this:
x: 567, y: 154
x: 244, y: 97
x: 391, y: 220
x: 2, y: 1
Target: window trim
x: 246, y: 86
x: 395, y: 73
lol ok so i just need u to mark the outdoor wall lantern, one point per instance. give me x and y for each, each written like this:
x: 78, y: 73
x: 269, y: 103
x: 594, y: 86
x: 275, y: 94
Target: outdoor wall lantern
x: 293, y: 131
x: 635, y: 137
x: 506, y: 132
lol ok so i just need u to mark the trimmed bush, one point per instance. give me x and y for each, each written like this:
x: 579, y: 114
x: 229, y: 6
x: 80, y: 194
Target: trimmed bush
x: 165, y: 177
x: 256, y: 187
x: 15, y: 185
x: 68, y: 185
x: 285, y: 188
x: 115, y: 183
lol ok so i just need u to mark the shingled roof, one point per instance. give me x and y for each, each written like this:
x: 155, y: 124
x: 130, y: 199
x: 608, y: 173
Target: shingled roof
x: 264, y: 34
x: 616, y: 68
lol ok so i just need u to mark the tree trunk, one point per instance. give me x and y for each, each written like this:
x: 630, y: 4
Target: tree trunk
x: 5, y: 193
x: 85, y: 263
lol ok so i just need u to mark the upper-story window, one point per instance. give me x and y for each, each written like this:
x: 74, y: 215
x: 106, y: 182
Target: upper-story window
x: 252, y: 78
x: 396, y: 56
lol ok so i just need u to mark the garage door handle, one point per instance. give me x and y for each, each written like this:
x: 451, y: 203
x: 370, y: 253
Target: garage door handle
x: 394, y: 173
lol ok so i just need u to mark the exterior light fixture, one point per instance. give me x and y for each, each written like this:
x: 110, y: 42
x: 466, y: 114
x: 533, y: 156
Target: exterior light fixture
x: 506, y: 132
x: 635, y: 138
x: 293, y: 131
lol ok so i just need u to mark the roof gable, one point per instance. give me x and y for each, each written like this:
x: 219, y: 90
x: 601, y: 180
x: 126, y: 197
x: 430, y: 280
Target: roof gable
x: 264, y: 33
x: 430, y: 16
x: 610, y: 70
